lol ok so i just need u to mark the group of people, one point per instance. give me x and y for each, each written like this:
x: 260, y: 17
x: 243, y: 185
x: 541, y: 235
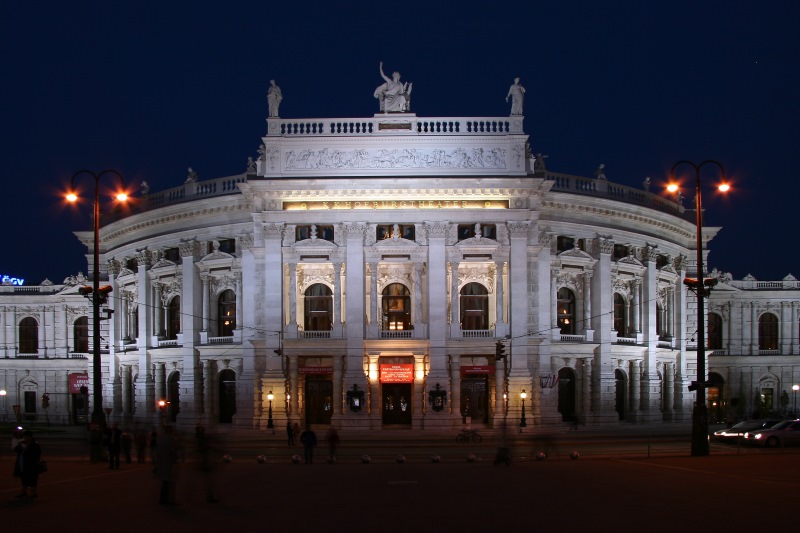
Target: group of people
x: 308, y: 438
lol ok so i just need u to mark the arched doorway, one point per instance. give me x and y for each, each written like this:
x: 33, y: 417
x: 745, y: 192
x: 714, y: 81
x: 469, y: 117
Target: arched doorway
x: 174, y: 396
x: 566, y: 394
x: 227, y: 396
x: 621, y: 388
x: 715, y: 398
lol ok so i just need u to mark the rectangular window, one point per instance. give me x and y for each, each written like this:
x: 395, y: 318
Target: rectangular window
x: 172, y: 254
x: 304, y: 232
x: 30, y: 401
x: 469, y: 231
x: 620, y: 251
x: 564, y: 243
x: 387, y: 231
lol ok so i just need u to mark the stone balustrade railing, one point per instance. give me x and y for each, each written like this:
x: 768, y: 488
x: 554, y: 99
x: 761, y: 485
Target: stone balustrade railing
x: 395, y: 124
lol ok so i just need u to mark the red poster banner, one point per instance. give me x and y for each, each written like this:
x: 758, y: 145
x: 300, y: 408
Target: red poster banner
x: 315, y: 370
x: 477, y: 369
x: 397, y: 373
x: 76, y: 381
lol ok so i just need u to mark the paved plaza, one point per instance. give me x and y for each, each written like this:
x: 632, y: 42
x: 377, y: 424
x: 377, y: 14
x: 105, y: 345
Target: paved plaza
x: 666, y: 492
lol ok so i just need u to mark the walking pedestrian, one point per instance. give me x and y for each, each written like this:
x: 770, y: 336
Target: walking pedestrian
x: 290, y: 432
x: 113, y: 445
x: 309, y: 440
x: 333, y: 442
x: 26, y: 466
x: 165, y: 457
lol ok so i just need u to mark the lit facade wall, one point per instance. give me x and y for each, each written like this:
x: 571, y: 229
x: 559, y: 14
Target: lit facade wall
x: 364, y: 274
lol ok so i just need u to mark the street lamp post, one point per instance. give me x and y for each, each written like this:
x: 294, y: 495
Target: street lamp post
x: 702, y: 288
x: 795, y: 388
x: 98, y: 416
x: 522, y: 422
x: 270, y: 397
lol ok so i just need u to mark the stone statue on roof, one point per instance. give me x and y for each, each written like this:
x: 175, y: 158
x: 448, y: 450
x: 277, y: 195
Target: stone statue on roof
x: 394, y: 96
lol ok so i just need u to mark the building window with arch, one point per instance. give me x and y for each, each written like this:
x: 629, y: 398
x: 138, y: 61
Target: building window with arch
x: 80, y: 335
x: 474, y: 307
x: 174, y: 318
x: 226, y: 313
x: 566, y: 311
x: 620, y: 315
x: 28, y: 335
x: 396, y: 307
x: 768, y: 332
x: 714, y: 331
x: 318, y: 312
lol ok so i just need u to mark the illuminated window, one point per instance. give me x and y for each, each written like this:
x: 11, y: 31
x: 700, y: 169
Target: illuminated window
x: 28, y: 335
x: 80, y: 335
x: 396, y: 307
x: 714, y: 331
x: 474, y: 307
x: 318, y: 308
x: 566, y: 311
x: 226, y: 314
x: 620, y: 315
x: 174, y: 318
x: 768, y: 332
x: 468, y: 231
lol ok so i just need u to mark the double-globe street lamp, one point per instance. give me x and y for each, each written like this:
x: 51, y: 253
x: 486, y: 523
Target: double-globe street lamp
x: 95, y: 295
x: 702, y: 288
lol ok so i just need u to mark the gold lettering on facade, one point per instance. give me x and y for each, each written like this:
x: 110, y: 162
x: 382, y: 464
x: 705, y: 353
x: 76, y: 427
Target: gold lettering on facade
x: 376, y: 205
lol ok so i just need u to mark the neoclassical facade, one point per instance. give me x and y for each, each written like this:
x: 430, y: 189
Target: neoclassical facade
x: 399, y: 272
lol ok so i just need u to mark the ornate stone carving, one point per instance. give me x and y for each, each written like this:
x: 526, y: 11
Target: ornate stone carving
x: 384, y: 158
x: 355, y: 229
x: 113, y: 267
x: 606, y: 245
x: 187, y: 249
x: 437, y: 228
x: 144, y: 258
x: 518, y: 228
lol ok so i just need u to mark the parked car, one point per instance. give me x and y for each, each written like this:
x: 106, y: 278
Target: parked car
x: 784, y: 433
x: 732, y: 434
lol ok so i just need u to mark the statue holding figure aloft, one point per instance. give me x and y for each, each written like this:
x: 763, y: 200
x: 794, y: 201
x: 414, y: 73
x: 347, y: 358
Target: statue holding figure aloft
x: 517, y: 94
x: 274, y: 97
x: 394, y: 96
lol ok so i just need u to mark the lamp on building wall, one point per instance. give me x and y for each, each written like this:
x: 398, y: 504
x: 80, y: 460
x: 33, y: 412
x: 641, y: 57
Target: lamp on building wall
x: 522, y: 422
x: 270, y: 397
x: 96, y: 295
x: 702, y: 288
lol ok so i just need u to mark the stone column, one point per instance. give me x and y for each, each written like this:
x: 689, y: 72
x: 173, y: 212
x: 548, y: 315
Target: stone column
x: 635, y: 389
x: 586, y: 383
x: 786, y: 329
x: 795, y: 348
x: 293, y: 295
x: 555, y: 331
x: 158, y: 326
x: 417, y: 291
x: 239, y: 303
x: 455, y: 322
x: 754, y: 329
x: 587, y: 306
x: 438, y: 333
x: 127, y: 396
x: 337, y: 295
x: 635, y: 307
x: 670, y: 312
x: 603, y: 383
x: 373, y: 321
x: 208, y: 393
x: 669, y: 385
x: 455, y: 386
x: 500, y: 305
x: 206, y: 303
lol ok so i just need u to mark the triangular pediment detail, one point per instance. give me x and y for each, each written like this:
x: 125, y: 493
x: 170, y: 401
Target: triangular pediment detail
x: 631, y: 260
x: 316, y: 244
x: 575, y: 253
x: 162, y: 263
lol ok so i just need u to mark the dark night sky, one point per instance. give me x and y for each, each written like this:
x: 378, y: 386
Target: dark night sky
x: 150, y: 88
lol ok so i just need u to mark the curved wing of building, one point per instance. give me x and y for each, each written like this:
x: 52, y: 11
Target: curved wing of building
x: 399, y: 271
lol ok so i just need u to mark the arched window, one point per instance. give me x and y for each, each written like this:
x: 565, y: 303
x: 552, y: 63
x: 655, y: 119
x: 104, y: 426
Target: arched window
x: 714, y: 331
x: 174, y: 318
x: 318, y: 308
x: 566, y: 311
x: 396, y: 307
x: 80, y: 335
x: 620, y: 315
x: 28, y: 335
x: 474, y: 307
x: 768, y: 332
x: 226, y: 314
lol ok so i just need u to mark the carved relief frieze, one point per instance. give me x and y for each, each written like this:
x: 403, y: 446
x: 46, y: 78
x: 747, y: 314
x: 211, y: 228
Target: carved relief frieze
x: 113, y: 267
x: 518, y: 228
x: 73, y: 312
x: 220, y: 282
x: 606, y: 244
x: 437, y: 228
x: 570, y: 280
x: 144, y: 258
x: 362, y: 158
x: 477, y: 273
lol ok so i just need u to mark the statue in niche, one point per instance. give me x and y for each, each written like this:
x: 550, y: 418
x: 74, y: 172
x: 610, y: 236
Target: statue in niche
x: 394, y: 96
x: 517, y: 94
x: 274, y: 98
x: 251, y: 166
x: 538, y: 162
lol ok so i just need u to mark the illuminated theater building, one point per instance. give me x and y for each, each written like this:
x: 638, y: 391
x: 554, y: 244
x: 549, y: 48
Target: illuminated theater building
x: 363, y: 272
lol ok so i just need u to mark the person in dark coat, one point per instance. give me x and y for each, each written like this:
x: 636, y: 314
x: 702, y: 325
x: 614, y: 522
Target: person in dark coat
x: 26, y: 467
x: 309, y: 440
x: 113, y: 444
x: 290, y: 432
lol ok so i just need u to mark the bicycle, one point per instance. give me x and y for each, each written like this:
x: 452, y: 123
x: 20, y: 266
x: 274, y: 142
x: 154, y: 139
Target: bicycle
x: 465, y: 435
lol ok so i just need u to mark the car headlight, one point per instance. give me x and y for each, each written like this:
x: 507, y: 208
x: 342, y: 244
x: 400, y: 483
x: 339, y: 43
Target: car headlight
x: 757, y: 436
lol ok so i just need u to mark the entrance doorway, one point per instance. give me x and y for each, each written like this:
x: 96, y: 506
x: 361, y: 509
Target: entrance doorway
x: 566, y: 394
x: 474, y: 399
x: 396, y: 403
x: 621, y: 384
x: 319, y: 401
x: 227, y: 396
